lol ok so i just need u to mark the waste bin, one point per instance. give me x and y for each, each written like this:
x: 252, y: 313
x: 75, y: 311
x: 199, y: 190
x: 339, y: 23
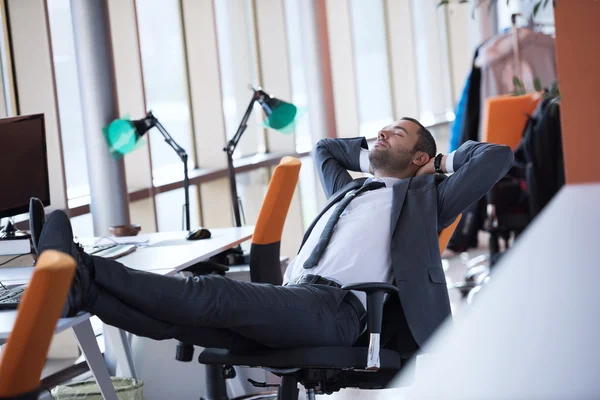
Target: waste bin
x: 126, y: 388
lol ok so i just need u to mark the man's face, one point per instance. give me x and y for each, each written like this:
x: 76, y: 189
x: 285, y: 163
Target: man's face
x: 394, y: 148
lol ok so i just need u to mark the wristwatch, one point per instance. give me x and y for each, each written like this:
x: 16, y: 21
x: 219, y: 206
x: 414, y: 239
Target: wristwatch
x: 437, y: 164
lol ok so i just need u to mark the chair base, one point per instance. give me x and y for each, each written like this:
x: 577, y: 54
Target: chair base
x: 321, y: 370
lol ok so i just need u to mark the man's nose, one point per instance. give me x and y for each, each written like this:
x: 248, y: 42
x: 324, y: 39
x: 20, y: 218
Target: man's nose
x: 382, y: 135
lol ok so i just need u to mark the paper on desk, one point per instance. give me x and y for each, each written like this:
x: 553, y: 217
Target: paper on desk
x: 139, y: 239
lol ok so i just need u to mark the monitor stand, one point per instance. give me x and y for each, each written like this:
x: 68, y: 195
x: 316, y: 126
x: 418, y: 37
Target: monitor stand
x: 11, y: 232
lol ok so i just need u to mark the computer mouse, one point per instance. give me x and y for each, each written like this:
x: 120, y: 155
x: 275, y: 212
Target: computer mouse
x: 198, y: 233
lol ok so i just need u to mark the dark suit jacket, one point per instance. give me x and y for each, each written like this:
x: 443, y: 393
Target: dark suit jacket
x: 422, y: 206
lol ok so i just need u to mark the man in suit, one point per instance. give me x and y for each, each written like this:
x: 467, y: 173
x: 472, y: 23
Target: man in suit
x: 381, y: 229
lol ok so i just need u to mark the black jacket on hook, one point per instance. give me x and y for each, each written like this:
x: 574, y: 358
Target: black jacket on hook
x: 541, y: 153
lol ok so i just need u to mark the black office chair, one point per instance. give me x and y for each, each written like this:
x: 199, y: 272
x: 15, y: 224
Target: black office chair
x: 324, y: 370
x: 264, y: 252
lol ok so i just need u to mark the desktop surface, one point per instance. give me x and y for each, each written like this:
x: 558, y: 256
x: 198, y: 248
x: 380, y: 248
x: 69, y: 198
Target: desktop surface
x: 171, y: 250
x: 164, y: 253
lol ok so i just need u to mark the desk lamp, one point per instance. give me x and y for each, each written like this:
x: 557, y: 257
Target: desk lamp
x: 280, y: 115
x: 124, y: 136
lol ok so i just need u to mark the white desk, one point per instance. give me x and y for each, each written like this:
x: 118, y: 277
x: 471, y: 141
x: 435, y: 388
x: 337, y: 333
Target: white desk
x: 165, y: 253
x: 170, y: 250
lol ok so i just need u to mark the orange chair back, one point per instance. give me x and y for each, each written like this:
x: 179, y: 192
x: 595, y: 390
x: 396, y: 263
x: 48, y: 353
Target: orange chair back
x: 505, y: 118
x: 271, y: 218
x: 446, y: 234
x: 27, y: 346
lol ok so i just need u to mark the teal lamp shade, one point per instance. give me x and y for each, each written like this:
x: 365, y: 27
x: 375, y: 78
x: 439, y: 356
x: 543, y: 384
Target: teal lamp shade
x: 280, y: 115
x: 122, y: 137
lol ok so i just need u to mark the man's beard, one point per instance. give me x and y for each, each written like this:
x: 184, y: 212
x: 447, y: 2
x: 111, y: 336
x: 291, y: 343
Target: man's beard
x: 385, y: 160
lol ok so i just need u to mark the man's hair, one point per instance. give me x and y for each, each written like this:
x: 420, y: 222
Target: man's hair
x: 426, y: 142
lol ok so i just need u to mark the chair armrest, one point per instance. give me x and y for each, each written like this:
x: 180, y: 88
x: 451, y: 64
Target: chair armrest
x: 375, y: 292
x: 371, y: 287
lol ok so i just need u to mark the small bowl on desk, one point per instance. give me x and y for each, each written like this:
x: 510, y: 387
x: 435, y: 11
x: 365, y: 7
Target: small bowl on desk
x: 125, y: 230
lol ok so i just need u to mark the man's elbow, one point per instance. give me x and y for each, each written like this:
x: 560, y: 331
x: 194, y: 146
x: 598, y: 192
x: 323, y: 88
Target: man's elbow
x: 503, y: 158
x: 508, y: 156
x: 320, y: 146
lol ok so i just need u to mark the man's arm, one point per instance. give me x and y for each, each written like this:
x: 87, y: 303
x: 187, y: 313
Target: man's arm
x: 477, y: 167
x: 335, y: 157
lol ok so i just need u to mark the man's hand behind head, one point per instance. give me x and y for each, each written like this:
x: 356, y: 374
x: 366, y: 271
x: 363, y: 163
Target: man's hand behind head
x: 427, y: 168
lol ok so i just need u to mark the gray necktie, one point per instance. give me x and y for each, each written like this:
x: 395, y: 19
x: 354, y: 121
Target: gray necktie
x: 327, y: 233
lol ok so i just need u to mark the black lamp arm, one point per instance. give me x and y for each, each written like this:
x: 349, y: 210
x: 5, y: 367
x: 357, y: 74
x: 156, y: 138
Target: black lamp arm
x: 233, y: 142
x: 230, y: 148
x: 184, y: 158
x: 178, y: 149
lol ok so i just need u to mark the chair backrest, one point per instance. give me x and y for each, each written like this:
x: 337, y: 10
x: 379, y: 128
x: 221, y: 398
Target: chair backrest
x: 505, y: 118
x: 265, y: 266
x: 446, y: 234
x: 27, y: 346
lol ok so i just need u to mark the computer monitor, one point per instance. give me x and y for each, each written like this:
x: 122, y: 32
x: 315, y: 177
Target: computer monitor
x: 24, y: 166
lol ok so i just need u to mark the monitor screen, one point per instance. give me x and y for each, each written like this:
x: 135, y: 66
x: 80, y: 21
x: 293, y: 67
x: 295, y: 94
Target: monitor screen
x: 24, y: 164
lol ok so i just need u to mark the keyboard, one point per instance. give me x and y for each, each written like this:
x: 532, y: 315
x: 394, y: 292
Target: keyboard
x: 10, y: 297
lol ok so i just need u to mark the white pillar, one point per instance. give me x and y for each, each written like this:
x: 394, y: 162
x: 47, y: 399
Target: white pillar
x: 109, y: 200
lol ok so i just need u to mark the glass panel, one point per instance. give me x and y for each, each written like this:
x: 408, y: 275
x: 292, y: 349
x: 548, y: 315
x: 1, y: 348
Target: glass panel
x: 252, y: 188
x: 441, y: 133
x: 544, y: 16
x: 238, y: 63
x: 312, y: 195
x: 371, y: 63
x: 69, y: 100
x: 433, y: 70
x: 216, y: 204
x: 165, y: 79
x: 83, y: 226
x: 169, y: 210
x: 142, y: 213
x: 299, y: 30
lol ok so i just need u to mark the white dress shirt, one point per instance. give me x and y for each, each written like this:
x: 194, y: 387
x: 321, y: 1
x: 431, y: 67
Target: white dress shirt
x: 359, y: 250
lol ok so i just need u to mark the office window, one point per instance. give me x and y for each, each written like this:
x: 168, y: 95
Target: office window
x: 544, y: 17
x: 371, y: 65
x: 238, y: 63
x: 304, y: 62
x: 69, y: 100
x: 433, y: 67
x: 251, y: 187
x: 312, y: 195
x: 170, y: 213
x: 83, y: 225
x: 165, y: 80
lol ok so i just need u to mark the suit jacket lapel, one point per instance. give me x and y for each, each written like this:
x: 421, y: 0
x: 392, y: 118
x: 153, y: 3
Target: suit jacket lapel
x: 333, y: 200
x: 400, y: 188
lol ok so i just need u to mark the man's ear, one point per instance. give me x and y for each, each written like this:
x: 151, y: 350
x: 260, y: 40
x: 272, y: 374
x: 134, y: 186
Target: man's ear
x: 421, y: 158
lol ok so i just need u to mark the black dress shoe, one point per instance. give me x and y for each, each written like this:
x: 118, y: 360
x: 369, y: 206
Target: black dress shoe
x: 57, y: 234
